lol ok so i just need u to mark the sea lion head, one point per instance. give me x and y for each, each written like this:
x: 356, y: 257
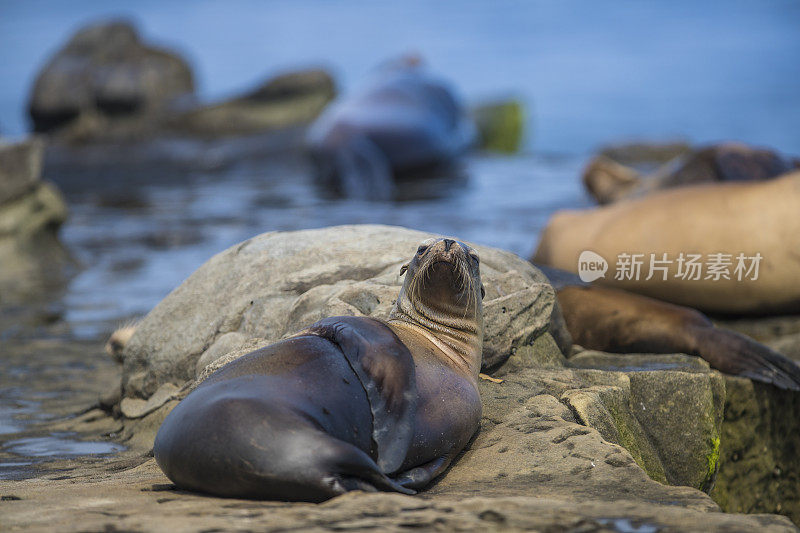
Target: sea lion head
x: 442, y: 293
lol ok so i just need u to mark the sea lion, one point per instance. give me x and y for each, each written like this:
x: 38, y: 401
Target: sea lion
x: 756, y: 219
x: 617, y: 321
x: 348, y: 403
x: 607, y: 180
x: 403, y: 124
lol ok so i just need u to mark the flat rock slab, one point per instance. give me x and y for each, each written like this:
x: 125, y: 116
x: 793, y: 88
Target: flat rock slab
x: 141, y: 499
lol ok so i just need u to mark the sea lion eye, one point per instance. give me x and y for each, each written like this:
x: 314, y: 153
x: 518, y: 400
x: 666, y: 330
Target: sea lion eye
x: 421, y: 249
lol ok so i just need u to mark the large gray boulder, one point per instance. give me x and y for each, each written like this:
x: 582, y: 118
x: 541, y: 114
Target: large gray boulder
x: 104, y: 73
x: 275, y: 284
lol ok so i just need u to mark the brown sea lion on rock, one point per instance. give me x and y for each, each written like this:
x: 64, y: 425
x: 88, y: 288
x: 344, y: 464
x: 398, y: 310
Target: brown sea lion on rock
x: 754, y: 219
x: 616, y: 321
x: 405, y: 124
x: 608, y: 181
x: 348, y: 403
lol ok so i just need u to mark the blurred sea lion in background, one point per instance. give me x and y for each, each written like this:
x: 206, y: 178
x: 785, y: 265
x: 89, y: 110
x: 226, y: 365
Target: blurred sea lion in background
x: 608, y: 180
x: 404, y: 124
x: 616, y: 321
x: 723, y: 220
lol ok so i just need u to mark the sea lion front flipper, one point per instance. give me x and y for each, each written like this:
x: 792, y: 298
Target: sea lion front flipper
x: 420, y: 476
x: 385, y: 368
x: 739, y: 355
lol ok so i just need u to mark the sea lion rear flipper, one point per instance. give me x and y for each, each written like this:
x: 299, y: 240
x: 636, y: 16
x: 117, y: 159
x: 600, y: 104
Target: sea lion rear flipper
x: 737, y: 354
x: 385, y: 368
x: 419, y: 476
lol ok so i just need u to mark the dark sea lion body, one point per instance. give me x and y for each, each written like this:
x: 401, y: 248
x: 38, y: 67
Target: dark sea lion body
x: 229, y: 437
x: 404, y: 124
x: 348, y: 403
x: 617, y: 321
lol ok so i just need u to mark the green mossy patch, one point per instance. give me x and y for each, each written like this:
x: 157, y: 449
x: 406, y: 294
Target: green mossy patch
x: 500, y: 126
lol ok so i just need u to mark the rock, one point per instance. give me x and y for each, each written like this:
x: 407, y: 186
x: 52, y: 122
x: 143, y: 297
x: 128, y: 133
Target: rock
x: 275, y: 284
x: 31, y: 257
x: 20, y: 168
x: 665, y: 409
x: 607, y: 180
x: 291, y: 85
x: 132, y: 495
x: 759, y: 461
x: 223, y: 345
x: 291, y: 99
x: 137, y: 408
x: 500, y: 125
x: 103, y: 74
x: 788, y: 345
x: 644, y: 155
x: 769, y: 329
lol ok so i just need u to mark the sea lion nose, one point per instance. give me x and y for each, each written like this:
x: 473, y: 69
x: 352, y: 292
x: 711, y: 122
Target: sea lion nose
x: 447, y: 244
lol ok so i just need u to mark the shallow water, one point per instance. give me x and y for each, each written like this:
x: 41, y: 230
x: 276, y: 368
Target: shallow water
x: 135, y: 256
x: 59, y: 445
x: 21, y: 456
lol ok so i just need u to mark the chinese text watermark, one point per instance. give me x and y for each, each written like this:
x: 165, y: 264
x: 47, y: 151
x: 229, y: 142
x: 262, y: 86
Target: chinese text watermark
x: 683, y: 266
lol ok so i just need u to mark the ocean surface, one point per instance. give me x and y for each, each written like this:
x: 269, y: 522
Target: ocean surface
x: 591, y: 72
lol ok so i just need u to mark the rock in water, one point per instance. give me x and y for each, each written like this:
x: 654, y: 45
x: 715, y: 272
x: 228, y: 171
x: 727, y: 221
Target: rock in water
x: 105, y: 73
x: 31, y: 258
x: 286, y: 100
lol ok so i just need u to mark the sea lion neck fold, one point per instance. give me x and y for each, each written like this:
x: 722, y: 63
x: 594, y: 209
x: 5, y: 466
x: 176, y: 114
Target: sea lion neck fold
x: 441, y: 299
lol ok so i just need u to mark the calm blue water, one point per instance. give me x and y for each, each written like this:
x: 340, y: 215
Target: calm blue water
x: 592, y: 72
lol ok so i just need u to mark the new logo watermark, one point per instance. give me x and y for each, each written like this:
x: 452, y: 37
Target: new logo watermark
x: 684, y: 266
x: 591, y: 266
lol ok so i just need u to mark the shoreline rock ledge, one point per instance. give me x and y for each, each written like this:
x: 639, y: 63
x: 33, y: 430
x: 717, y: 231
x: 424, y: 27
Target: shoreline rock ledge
x: 593, y: 443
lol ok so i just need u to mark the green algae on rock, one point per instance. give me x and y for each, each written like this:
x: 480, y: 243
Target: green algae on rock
x: 500, y: 125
